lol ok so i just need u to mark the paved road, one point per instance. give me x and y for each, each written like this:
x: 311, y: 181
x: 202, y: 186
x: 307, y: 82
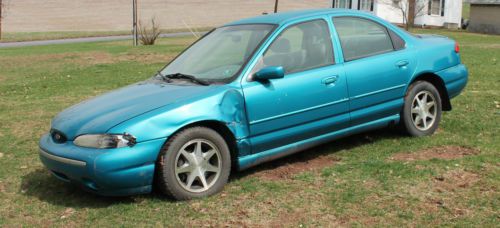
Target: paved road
x: 83, y: 40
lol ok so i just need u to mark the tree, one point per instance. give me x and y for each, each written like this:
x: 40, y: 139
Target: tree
x: 410, y: 9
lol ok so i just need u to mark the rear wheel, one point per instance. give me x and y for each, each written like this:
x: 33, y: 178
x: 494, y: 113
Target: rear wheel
x: 422, y: 109
x: 194, y: 163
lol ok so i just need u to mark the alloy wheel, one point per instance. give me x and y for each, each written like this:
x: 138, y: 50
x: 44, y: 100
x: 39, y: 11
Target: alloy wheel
x: 424, y: 110
x: 198, y: 165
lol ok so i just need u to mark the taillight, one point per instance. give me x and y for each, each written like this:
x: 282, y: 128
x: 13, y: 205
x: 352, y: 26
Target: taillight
x: 457, y: 48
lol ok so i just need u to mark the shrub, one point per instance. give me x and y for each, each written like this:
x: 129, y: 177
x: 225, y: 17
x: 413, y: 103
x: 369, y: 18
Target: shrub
x: 147, y: 35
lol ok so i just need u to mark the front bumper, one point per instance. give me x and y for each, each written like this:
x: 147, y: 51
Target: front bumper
x: 110, y: 172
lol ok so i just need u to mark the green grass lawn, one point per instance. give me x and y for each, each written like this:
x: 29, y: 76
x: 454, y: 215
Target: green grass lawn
x: 379, y: 178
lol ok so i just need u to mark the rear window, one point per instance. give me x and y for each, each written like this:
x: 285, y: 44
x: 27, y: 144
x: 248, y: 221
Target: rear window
x: 361, y: 37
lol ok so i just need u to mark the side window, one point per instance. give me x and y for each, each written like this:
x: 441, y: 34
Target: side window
x: 300, y: 47
x: 397, y: 41
x: 361, y: 37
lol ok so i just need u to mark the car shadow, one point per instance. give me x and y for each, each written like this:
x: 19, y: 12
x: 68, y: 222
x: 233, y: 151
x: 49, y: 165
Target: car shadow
x: 43, y: 186
x: 326, y: 149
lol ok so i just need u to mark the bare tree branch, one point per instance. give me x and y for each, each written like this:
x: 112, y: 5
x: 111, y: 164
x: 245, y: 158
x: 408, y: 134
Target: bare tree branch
x: 410, y: 9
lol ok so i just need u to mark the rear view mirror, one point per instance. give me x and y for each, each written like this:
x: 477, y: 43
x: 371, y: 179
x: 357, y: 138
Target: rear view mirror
x: 270, y: 72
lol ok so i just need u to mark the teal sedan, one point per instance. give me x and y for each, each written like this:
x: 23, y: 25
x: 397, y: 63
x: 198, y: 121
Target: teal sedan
x: 252, y: 91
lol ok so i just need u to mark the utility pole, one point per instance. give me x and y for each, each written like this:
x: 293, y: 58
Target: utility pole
x: 134, y: 22
x: 276, y: 6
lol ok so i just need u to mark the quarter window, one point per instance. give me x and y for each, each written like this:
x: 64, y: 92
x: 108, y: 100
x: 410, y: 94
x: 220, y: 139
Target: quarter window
x: 397, y: 41
x: 361, y: 38
x: 300, y: 47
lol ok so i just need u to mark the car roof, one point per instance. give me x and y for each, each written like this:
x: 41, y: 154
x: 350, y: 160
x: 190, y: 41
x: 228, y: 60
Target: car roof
x: 284, y: 17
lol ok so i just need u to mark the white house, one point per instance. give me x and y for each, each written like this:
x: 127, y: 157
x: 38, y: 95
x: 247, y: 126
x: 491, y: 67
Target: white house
x: 442, y: 13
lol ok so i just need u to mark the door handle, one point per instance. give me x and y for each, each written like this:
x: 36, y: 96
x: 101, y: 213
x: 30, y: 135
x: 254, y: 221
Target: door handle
x: 402, y: 63
x: 330, y: 80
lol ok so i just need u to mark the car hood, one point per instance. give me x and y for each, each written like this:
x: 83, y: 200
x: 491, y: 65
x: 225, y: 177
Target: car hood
x: 99, y: 114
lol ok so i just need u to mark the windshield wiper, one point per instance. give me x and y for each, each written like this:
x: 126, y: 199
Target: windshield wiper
x: 169, y: 77
x: 163, y: 77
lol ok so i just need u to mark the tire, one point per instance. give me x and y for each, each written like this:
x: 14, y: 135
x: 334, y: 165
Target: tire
x: 413, y: 115
x: 184, y: 172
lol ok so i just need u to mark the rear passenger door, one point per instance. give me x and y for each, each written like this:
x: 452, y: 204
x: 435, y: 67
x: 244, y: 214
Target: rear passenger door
x: 377, y: 66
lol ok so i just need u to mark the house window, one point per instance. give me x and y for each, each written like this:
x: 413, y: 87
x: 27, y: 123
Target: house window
x: 436, y: 7
x: 366, y: 5
x: 347, y: 4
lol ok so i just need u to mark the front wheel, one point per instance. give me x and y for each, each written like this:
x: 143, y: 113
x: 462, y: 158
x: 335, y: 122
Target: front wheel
x: 422, y: 109
x: 194, y: 163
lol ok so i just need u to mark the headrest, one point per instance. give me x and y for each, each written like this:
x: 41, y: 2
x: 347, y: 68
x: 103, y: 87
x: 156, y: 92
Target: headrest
x: 282, y: 45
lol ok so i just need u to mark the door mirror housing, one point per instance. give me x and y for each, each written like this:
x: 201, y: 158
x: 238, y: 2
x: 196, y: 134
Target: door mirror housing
x: 270, y: 72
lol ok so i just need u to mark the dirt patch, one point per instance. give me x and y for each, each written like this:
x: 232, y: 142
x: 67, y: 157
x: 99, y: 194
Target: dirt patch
x: 446, y: 191
x: 288, y: 167
x: 146, y: 58
x: 441, y: 152
x: 454, y: 180
x: 93, y: 58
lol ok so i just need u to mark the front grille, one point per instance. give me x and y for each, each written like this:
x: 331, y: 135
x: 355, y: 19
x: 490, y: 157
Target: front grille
x: 58, y: 136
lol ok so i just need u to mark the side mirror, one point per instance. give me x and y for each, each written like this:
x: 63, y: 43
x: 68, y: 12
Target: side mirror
x: 270, y: 72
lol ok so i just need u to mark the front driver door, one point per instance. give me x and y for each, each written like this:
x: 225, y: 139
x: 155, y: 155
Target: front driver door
x: 310, y: 100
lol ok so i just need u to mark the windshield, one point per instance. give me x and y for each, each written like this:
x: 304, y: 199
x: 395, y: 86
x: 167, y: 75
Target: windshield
x: 221, y: 54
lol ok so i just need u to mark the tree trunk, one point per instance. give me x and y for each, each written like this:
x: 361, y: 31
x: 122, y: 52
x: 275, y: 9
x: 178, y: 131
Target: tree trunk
x: 412, y: 4
x: 276, y: 6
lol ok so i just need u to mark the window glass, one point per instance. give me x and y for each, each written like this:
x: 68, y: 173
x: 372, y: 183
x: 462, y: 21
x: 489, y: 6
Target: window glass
x: 397, y: 41
x: 341, y: 4
x: 435, y: 4
x: 361, y: 38
x: 366, y: 5
x: 436, y: 7
x: 221, y: 54
x: 300, y: 47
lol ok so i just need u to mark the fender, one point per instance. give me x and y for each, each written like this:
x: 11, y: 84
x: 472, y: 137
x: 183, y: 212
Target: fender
x: 226, y: 103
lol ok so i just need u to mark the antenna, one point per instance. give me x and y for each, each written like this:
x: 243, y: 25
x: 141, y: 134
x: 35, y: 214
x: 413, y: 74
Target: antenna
x: 190, y: 30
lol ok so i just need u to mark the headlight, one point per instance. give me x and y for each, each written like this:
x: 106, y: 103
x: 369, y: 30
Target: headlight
x: 105, y: 141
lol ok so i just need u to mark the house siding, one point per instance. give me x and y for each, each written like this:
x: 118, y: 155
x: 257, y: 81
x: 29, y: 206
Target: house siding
x: 451, y: 19
x: 485, y: 19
